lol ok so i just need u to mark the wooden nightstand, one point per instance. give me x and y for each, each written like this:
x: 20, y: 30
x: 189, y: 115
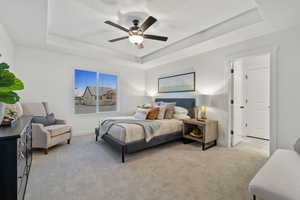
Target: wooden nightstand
x: 207, y: 132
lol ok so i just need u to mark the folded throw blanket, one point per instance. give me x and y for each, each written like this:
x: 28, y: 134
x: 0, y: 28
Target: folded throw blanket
x: 149, y: 126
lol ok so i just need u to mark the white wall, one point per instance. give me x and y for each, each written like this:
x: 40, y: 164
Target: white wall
x: 210, y: 69
x: 48, y: 76
x: 209, y: 80
x: 6, y: 47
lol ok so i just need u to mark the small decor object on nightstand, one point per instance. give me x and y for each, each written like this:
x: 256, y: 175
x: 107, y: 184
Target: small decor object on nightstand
x: 205, y: 132
x: 204, y: 102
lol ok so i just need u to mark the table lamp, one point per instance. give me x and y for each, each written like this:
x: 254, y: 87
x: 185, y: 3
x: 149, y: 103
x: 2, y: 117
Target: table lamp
x: 204, y: 102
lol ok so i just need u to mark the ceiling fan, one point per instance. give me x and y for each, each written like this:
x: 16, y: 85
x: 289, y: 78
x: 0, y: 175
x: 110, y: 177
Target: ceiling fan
x: 136, y: 33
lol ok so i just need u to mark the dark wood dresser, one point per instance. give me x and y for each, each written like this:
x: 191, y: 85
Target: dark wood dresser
x: 15, y: 159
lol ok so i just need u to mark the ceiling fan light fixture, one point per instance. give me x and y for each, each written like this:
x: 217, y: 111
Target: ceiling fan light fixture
x: 136, y: 39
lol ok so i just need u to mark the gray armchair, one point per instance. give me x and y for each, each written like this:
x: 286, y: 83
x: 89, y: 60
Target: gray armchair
x: 46, y: 136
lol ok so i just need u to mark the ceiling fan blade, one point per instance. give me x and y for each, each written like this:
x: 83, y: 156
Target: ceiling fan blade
x: 156, y: 37
x: 140, y: 46
x: 117, y: 26
x: 117, y: 39
x: 147, y: 23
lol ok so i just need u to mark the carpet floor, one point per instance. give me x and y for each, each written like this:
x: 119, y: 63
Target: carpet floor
x: 86, y: 170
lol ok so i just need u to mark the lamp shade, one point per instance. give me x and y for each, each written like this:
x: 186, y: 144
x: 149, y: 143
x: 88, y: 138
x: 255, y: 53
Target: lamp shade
x: 204, y: 100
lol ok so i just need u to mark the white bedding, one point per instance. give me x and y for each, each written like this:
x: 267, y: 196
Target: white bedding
x: 133, y: 132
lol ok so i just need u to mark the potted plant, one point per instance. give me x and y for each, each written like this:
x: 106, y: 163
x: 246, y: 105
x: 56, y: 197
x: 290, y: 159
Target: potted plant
x: 8, y: 84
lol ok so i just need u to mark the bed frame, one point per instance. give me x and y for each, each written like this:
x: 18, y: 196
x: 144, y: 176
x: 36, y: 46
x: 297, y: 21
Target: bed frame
x: 126, y: 148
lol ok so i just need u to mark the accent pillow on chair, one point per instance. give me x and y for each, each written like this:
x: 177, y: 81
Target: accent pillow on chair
x: 46, y: 121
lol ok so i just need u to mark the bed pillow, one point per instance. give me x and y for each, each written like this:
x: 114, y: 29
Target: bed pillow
x: 297, y: 146
x: 181, y: 116
x: 180, y: 110
x: 170, y: 108
x: 153, y: 113
x: 161, y: 112
x: 141, y: 113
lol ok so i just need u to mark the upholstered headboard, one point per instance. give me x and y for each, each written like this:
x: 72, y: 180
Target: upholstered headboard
x: 188, y: 103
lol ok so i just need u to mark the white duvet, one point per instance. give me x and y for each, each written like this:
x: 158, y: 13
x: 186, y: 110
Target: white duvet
x: 133, y: 132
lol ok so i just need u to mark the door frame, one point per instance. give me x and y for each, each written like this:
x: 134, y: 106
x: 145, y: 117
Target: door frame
x: 273, y: 51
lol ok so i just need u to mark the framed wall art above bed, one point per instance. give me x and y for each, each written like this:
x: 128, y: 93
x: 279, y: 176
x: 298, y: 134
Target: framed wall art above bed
x: 177, y: 83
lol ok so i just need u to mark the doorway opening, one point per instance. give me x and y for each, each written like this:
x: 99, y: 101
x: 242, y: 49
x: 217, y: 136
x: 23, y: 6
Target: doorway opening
x: 250, y: 101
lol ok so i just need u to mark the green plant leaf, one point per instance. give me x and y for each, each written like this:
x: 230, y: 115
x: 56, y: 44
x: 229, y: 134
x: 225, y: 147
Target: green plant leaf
x: 3, y: 66
x: 9, y: 97
x: 7, y: 79
x: 18, y: 85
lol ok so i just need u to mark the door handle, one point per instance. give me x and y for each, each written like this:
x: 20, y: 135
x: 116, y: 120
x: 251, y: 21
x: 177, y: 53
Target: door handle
x: 242, y: 107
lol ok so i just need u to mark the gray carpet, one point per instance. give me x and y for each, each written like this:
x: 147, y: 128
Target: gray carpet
x: 86, y: 170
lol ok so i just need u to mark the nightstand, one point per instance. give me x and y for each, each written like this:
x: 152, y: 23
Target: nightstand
x: 205, y: 132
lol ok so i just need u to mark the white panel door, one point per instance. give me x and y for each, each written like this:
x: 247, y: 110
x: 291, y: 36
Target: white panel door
x: 258, y: 96
x: 238, y: 103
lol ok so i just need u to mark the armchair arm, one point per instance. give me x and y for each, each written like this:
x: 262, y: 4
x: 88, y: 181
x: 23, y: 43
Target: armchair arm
x: 60, y: 121
x: 40, y: 136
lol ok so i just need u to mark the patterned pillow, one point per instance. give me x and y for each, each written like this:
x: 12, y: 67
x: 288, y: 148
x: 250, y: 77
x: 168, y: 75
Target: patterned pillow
x: 170, y: 109
x: 153, y: 113
x: 162, y: 112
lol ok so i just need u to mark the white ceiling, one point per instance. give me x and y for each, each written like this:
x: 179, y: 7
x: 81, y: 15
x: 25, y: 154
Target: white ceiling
x: 83, y: 19
x: 76, y: 26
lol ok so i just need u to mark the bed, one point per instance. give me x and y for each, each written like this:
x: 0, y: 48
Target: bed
x: 172, y: 131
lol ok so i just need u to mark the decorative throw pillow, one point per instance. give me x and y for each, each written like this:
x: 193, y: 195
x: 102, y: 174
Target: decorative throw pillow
x: 141, y: 113
x: 46, y: 121
x: 297, y: 146
x: 153, y: 113
x: 162, y: 112
x: 170, y: 107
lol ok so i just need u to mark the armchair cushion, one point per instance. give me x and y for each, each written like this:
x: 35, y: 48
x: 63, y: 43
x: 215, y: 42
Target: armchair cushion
x: 58, y: 129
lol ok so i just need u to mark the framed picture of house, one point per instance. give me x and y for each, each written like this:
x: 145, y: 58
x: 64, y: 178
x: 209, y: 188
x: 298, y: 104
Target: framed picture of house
x: 95, y: 92
x: 177, y: 83
x: 85, y: 91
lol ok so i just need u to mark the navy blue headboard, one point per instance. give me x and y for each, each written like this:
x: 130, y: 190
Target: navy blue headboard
x: 188, y: 103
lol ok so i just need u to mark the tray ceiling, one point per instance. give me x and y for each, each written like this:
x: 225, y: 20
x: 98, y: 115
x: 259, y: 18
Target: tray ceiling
x: 83, y: 20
